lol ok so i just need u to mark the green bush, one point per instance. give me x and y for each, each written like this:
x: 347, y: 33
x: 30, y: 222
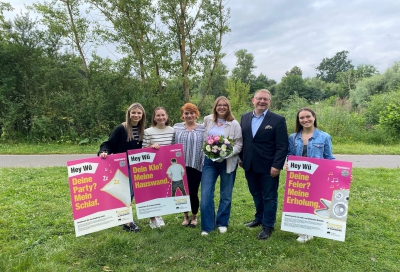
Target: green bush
x: 344, y: 124
x: 390, y: 117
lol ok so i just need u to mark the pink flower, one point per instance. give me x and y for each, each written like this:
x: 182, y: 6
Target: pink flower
x: 216, y: 138
x: 210, y: 141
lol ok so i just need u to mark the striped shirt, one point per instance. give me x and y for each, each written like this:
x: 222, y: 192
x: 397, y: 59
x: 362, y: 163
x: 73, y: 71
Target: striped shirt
x: 162, y: 137
x: 192, y: 142
x: 135, y: 131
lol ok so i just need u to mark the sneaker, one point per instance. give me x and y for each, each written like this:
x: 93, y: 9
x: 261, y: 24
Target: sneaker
x: 204, y: 233
x: 154, y: 224
x: 304, y: 238
x: 160, y: 221
x: 222, y: 229
x: 132, y: 227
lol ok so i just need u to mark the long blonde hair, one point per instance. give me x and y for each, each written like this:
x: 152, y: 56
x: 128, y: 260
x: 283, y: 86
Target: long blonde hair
x: 128, y: 125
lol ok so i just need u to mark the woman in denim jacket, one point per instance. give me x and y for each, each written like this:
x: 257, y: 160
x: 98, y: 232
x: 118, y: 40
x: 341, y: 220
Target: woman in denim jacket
x: 309, y: 141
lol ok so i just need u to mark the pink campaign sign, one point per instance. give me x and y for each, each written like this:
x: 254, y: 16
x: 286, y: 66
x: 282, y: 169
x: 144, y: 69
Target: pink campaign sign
x: 316, y: 197
x: 100, y: 193
x: 159, y: 180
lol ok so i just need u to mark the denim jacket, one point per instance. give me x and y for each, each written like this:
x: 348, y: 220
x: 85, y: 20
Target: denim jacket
x: 319, y: 145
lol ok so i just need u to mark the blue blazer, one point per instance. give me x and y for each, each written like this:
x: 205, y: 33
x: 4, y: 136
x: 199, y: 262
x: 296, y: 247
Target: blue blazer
x: 269, y: 146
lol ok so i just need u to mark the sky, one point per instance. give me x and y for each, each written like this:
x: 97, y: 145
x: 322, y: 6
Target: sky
x: 282, y: 34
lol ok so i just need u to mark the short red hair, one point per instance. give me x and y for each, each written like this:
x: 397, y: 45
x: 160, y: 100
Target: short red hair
x: 190, y: 107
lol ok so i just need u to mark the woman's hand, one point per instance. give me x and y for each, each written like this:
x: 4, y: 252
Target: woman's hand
x: 155, y: 146
x: 104, y: 154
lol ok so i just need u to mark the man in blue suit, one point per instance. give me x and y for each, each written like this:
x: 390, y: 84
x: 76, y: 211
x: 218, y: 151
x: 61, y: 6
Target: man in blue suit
x: 265, y: 145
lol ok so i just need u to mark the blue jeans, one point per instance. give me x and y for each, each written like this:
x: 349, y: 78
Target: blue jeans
x: 211, y: 171
x: 264, y: 190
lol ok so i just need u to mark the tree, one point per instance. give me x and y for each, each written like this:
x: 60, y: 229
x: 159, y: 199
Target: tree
x: 168, y: 38
x: 380, y: 83
x: 295, y: 71
x: 244, y: 66
x: 329, y: 67
x: 261, y: 82
x: 63, y: 18
x: 3, y: 24
x: 238, y: 94
x: 349, y: 79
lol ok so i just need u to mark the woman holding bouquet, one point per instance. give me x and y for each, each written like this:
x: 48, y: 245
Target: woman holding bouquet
x: 190, y: 134
x: 220, y: 124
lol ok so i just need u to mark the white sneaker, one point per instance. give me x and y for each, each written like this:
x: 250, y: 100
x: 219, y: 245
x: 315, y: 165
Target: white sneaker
x: 160, y: 221
x: 204, y: 233
x: 304, y: 238
x: 154, y: 224
x: 222, y: 229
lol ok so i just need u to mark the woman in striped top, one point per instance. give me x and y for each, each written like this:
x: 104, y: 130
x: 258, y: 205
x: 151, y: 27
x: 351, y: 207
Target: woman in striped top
x: 190, y: 134
x: 159, y: 134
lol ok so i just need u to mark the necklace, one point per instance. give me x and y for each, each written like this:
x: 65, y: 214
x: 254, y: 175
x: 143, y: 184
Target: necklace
x: 220, y: 122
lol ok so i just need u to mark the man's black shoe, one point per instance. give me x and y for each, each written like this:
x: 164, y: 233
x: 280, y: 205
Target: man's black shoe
x: 253, y: 224
x: 265, y: 233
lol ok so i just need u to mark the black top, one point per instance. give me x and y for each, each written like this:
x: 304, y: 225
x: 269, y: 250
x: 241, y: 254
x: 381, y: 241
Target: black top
x: 117, y: 142
x: 304, y: 154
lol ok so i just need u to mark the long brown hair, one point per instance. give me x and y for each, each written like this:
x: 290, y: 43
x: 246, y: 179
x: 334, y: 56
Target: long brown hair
x: 299, y: 127
x: 229, y: 116
x: 128, y: 124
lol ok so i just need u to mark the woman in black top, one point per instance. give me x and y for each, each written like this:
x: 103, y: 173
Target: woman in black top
x: 127, y: 136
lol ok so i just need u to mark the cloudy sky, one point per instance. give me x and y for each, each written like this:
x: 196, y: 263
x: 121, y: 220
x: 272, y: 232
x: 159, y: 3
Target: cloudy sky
x: 286, y: 33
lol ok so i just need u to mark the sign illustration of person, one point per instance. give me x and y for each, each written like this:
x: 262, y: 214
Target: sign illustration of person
x: 176, y: 172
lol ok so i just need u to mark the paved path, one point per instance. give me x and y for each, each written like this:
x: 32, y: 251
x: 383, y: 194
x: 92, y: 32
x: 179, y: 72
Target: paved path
x: 366, y: 161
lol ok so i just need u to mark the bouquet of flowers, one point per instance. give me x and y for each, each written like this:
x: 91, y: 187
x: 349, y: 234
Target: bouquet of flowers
x: 216, y: 147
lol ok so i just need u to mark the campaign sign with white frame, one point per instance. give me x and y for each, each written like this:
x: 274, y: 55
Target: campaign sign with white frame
x: 316, y: 200
x: 159, y: 180
x: 100, y: 193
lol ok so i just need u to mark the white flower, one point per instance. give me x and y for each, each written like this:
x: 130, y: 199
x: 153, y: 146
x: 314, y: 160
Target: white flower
x: 226, y: 141
x: 223, y: 153
x: 215, y: 149
x: 223, y: 147
x: 208, y: 148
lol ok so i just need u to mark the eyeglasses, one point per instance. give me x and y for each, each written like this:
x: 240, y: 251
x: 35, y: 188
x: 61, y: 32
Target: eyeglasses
x: 262, y: 99
x: 222, y: 105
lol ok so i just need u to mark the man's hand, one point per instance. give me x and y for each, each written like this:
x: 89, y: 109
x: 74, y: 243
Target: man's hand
x: 274, y: 172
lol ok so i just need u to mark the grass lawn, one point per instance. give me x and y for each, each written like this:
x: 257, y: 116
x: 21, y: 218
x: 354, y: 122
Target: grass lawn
x: 37, y: 233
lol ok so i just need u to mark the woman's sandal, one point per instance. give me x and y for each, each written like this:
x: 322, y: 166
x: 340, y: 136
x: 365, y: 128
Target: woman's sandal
x: 193, y: 222
x: 186, y: 221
